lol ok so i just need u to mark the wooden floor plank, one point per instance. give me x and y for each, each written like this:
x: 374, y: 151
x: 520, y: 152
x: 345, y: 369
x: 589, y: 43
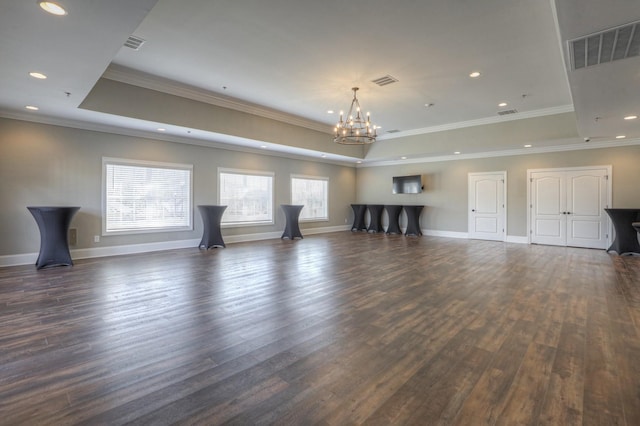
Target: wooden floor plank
x: 340, y: 328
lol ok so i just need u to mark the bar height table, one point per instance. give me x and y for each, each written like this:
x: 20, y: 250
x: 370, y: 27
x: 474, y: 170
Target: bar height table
x: 375, y: 214
x: 626, y: 241
x: 53, y: 223
x: 413, y: 220
x: 358, y: 217
x: 211, y: 217
x: 291, y: 213
x: 393, y: 211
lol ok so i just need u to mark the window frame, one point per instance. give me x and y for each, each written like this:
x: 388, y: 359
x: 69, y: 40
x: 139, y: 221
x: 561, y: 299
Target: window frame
x: 246, y: 172
x: 308, y: 177
x: 147, y: 164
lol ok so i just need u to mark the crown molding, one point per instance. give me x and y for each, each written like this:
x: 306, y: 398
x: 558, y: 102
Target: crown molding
x: 171, y: 87
x: 480, y: 122
x: 215, y: 140
x: 505, y: 153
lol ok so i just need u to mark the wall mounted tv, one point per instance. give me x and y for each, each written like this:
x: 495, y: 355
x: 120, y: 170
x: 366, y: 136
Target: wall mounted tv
x: 407, y: 184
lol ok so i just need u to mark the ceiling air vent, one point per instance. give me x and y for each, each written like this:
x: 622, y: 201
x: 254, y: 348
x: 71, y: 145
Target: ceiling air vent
x: 134, y: 42
x: 393, y: 131
x: 606, y: 46
x: 507, y: 111
x: 383, y: 81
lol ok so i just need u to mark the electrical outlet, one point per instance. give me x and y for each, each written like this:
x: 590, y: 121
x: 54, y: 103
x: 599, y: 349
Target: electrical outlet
x: 73, y: 236
x: 96, y: 238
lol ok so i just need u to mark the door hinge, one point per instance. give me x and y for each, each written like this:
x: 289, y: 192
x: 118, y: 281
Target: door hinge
x: 606, y: 177
x: 606, y: 236
x: 530, y: 179
x: 531, y: 231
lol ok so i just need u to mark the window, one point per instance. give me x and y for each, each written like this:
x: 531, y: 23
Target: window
x: 313, y: 192
x: 248, y: 196
x: 142, y: 196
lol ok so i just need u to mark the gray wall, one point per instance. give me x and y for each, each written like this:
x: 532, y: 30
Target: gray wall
x: 445, y: 193
x: 51, y: 165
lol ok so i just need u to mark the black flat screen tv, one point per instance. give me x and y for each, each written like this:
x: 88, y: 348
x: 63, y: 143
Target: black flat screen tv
x: 407, y: 184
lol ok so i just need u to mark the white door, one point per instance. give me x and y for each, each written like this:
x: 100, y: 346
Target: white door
x: 586, y: 201
x: 567, y: 207
x: 548, y: 205
x: 487, y: 211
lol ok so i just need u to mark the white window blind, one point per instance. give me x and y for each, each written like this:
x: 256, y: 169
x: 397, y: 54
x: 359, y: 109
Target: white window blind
x: 248, y: 196
x: 313, y: 193
x: 146, y: 196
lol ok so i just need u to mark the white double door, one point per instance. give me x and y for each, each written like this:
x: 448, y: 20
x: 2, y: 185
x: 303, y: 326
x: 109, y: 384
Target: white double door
x: 487, y: 206
x: 567, y: 207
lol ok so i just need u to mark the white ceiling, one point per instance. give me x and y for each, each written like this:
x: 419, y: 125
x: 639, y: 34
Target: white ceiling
x: 303, y: 57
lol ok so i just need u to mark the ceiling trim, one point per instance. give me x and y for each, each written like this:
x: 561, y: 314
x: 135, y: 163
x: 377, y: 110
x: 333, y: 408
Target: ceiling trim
x: 272, y: 150
x: 504, y: 153
x: 160, y: 84
x: 479, y: 122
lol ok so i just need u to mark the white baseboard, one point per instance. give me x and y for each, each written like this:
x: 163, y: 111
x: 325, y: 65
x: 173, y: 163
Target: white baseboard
x: 517, y: 239
x: 88, y: 253
x: 447, y: 234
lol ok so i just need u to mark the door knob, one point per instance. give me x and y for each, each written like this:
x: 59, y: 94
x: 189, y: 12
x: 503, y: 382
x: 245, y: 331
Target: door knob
x: 473, y: 210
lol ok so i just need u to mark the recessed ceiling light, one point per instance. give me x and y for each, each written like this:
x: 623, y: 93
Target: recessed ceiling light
x: 53, y: 8
x: 474, y: 74
x: 527, y: 146
x: 160, y: 129
x: 37, y: 75
x: 330, y: 111
x: 263, y: 146
x: 403, y: 158
x: 359, y: 162
x: 502, y: 104
x: 324, y: 156
x: 631, y: 117
x: 32, y: 107
x: 620, y: 137
x: 457, y: 152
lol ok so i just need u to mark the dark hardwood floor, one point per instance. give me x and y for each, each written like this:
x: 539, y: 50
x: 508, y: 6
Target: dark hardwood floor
x: 341, y: 328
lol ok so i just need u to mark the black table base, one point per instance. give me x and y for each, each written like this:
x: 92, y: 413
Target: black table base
x: 413, y: 220
x: 292, y: 228
x: 53, y: 223
x: 626, y: 241
x: 393, y: 211
x: 359, y: 211
x: 375, y: 216
x: 211, y: 235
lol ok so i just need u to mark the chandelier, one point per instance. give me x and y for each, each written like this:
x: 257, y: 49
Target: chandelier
x: 355, y: 130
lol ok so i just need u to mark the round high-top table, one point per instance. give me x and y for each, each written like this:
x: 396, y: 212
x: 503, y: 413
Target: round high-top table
x: 53, y: 223
x: 393, y: 211
x: 375, y: 215
x: 626, y: 241
x: 358, y: 217
x: 291, y: 213
x: 413, y: 220
x: 211, y: 217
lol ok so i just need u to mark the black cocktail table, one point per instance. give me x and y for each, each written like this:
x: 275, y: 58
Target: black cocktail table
x: 53, y: 223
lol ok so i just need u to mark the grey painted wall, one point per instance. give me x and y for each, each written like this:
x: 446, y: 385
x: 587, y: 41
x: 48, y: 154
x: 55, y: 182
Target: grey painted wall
x: 51, y: 165
x: 445, y: 192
